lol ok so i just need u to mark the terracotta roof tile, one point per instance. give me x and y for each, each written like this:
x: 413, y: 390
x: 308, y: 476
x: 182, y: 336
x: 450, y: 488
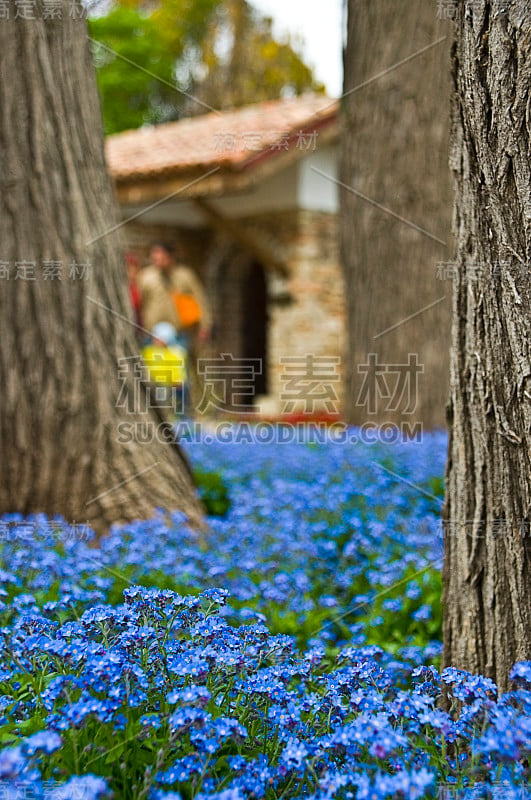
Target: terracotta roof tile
x: 232, y: 139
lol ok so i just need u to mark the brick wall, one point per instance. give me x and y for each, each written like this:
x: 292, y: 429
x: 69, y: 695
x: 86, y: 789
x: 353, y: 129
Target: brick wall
x: 313, y: 324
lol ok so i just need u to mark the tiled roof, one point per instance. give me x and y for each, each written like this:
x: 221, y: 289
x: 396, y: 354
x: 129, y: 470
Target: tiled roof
x: 230, y: 139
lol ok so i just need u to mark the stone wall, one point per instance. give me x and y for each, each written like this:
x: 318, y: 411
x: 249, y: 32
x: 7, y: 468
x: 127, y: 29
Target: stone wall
x: 314, y: 326
x: 306, y: 311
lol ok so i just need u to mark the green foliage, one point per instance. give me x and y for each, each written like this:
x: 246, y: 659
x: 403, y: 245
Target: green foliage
x: 135, y: 70
x: 172, y: 59
x: 214, y: 492
x: 435, y: 486
x: 392, y: 626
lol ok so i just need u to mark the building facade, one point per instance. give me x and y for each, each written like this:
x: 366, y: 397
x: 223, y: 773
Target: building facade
x: 250, y: 200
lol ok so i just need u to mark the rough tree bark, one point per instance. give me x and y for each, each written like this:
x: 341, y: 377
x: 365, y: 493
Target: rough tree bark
x: 487, y: 575
x: 395, y: 153
x: 61, y: 341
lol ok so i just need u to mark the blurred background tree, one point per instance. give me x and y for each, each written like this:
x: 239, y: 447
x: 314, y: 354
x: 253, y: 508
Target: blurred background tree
x: 217, y: 54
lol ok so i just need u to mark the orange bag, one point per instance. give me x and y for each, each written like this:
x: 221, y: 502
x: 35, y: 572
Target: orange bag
x: 188, y: 309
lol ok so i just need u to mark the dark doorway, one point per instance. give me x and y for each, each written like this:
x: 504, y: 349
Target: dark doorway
x: 254, y: 323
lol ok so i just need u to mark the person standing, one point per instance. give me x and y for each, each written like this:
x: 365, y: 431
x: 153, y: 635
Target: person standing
x: 159, y: 284
x: 172, y: 292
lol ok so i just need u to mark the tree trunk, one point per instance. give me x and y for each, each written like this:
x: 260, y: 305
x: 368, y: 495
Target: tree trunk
x: 487, y: 575
x: 240, y: 15
x: 395, y: 164
x: 65, y: 388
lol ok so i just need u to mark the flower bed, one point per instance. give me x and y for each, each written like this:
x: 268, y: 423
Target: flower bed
x: 311, y: 673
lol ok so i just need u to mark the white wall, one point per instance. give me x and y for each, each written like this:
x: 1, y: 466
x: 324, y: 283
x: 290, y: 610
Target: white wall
x: 297, y: 186
x: 316, y: 192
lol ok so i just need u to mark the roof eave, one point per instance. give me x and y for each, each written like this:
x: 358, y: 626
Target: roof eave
x: 226, y: 177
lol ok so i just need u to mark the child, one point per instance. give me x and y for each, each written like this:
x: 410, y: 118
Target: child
x: 165, y: 359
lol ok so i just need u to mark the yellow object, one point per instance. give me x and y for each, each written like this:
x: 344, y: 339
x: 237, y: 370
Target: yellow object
x: 188, y: 309
x: 166, y: 365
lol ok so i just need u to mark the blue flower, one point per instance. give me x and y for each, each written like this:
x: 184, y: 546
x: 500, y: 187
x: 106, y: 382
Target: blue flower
x: 294, y: 754
x: 44, y: 741
x: 85, y: 787
x: 12, y: 762
x: 521, y: 673
x: 182, y: 770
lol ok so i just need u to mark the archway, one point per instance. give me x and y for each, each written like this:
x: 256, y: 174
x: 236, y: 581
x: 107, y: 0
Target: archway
x: 254, y: 323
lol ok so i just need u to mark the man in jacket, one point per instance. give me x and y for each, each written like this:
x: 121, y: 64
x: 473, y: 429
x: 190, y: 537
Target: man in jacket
x: 160, y: 281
